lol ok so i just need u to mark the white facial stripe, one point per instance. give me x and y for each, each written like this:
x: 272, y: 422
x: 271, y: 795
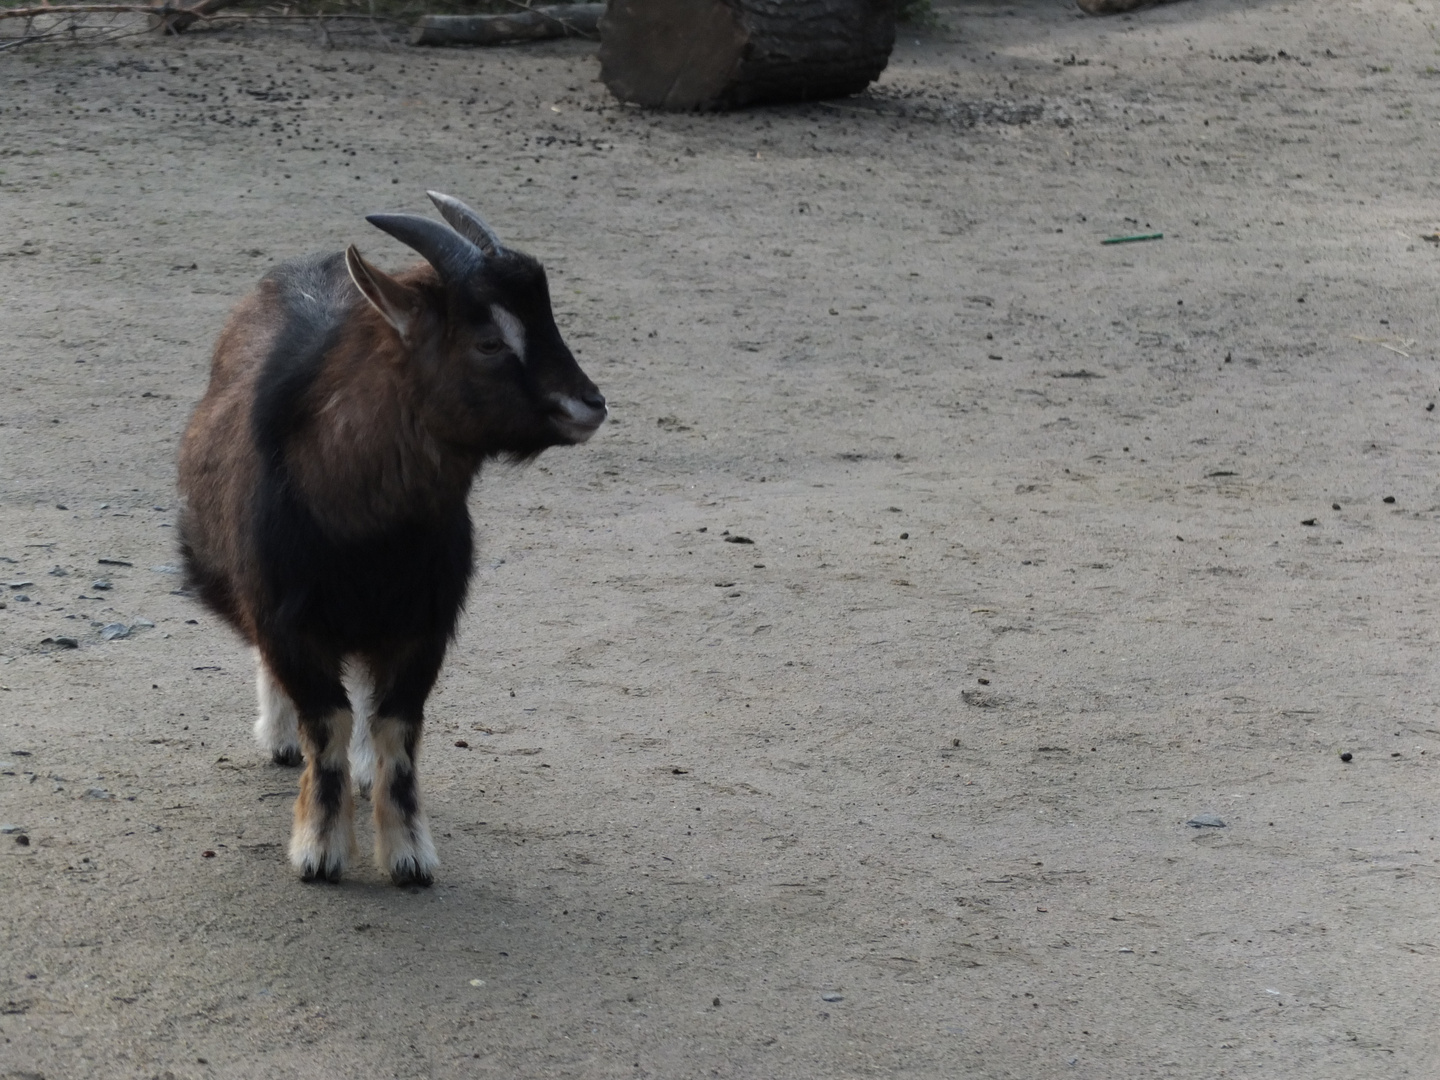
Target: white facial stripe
x: 511, y: 329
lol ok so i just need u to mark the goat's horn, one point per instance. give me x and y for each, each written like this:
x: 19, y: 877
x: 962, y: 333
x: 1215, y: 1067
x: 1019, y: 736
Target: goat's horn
x: 453, y: 256
x: 467, y: 223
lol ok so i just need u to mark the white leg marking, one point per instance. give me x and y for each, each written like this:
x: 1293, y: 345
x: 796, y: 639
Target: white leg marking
x: 323, y: 836
x: 403, y: 844
x: 276, y: 727
x: 359, y: 686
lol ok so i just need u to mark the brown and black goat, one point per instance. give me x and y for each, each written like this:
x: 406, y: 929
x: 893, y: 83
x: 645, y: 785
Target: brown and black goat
x: 325, y: 474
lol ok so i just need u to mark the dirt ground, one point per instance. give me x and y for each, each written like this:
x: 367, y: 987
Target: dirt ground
x: 1056, y: 546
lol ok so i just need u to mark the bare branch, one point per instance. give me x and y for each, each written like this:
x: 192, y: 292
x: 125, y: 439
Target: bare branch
x: 173, y: 18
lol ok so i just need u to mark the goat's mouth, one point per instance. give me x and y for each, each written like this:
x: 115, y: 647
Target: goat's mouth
x: 577, y: 420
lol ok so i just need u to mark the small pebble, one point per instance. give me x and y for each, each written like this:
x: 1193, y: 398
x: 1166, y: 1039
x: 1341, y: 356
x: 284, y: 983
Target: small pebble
x: 462, y: 744
x: 23, y: 840
x: 101, y: 584
x: 1345, y: 755
x: 832, y: 997
x: 1334, y: 506
x: 1388, y: 499
x: 207, y: 854
x: 6, y: 830
x: 115, y: 630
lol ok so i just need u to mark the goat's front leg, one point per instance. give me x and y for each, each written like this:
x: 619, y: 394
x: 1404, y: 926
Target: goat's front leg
x: 323, y: 836
x: 402, y: 833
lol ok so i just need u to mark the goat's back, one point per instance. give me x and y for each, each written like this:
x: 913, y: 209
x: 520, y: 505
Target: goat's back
x: 270, y: 349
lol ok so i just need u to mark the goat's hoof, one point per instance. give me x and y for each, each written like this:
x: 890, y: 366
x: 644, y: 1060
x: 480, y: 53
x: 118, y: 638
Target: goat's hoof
x: 288, y: 756
x: 323, y: 875
x: 408, y: 872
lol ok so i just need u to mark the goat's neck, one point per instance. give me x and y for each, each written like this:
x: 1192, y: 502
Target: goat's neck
x: 368, y: 460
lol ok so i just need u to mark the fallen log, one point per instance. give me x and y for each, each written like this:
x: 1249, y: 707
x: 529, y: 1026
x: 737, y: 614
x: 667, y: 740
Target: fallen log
x: 534, y: 24
x: 1116, y: 7
x: 177, y: 21
x: 724, y: 54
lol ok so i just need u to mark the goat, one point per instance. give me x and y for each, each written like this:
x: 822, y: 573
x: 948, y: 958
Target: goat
x: 324, y: 477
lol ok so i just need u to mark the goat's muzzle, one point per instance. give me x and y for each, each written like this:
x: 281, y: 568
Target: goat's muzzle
x: 577, y: 418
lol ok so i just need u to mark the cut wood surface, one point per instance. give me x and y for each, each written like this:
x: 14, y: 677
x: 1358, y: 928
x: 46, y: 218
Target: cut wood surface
x: 563, y: 20
x: 723, y: 54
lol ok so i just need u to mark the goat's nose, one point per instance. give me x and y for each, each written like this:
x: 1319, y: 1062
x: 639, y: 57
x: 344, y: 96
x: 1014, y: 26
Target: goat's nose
x: 594, y: 399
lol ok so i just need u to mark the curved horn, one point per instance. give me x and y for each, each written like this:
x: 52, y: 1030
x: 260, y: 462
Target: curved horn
x: 467, y: 223
x: 453, y: 256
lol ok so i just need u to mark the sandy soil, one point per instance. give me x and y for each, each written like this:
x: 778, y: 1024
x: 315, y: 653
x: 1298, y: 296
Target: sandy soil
x: 1056, y: 546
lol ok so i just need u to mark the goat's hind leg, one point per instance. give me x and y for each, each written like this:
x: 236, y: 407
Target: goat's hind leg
x: 323, y: 836
x: 277, y: 728
x: 359, y: 686
x: 403, y: 845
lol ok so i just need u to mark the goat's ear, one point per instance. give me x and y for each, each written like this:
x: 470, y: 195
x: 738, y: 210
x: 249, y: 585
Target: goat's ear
x: 397, y: 304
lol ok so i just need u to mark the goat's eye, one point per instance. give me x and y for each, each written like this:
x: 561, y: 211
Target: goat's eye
x: 491, y: 346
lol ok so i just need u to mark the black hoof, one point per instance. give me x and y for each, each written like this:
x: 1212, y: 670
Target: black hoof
x: 290, y: 757
x: 320, y: 876
x: 409, y: 875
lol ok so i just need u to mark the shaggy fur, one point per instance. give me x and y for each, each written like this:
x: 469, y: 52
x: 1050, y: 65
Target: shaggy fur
x: 324, y: 477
